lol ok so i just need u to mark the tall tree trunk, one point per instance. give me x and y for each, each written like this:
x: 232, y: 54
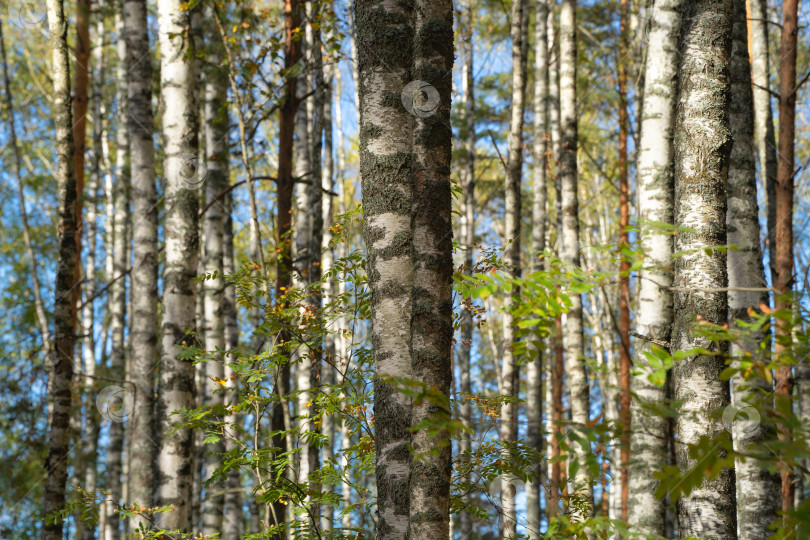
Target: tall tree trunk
x: 467, y: 236
x: 61, y: 376
x: 757, y: 487
x: 177, y: 84
x: 648, y: 443
x: 572, y: 333
x: 39, y: 306
x: 509, y: 369
x: 234, y: 520
x: 624, y: 267
x: 216, y: 158
x: 757, y: 15
x: 534, y: 380
x: 385, y: 38
x: 702, y: 143
x: 432, y: 239
x: 284, y: 208
x: 783, y: 282
x: 144, y: 338
x: 118, y: 298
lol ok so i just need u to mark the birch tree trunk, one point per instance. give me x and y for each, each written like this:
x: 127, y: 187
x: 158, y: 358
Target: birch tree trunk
x: 763, y: 115
x: 467, y: 236
x: 233, y: 524
x: 432, y: 238
x: 702, y: 143
x: 648, y: 442
x: 385, y: 37
x: 784, y: 266
x: 144, y: 354
x: 509, y: 370
x: 216, y: 181
x: 177, y: 84
x: 118, y: 297
x: 758, y: 489
x: 572, y: 333
x: 535, y: 368
x: 61, y: 374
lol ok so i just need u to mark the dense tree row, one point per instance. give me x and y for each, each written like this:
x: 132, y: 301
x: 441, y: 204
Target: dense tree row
x: 313, y: 269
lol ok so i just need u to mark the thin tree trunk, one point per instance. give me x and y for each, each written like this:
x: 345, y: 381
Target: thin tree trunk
x: 534, y: 380
x: 144, y: 274
x: 509, y: 369
x: 467, y: 226
x: 572, y: 334
x: 701, y: 144
x: 757, y: 15
x: 757, y: 488
x: 39, y: 307
x: 624, y: 268
x: 216, y: 148
x: 783, y: 282
x: 648, y: 443
x: 283, y: 212
x: 178, y: 79
x: 432, y: 235
x: 61, y: 376
x: 233, y: 525
x: 385, y: 35
x: 118, y: 305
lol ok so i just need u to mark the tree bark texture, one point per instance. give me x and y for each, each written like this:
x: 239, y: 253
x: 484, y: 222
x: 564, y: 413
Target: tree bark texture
x: 702, y: 143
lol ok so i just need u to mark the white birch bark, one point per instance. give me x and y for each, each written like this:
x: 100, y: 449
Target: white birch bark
x: 509, y: 368
x: 648, y: 439
x: 215, y: 113
x: 142, y: 433
x: 758, y: 489
x: 702, y: 141
x: 386, y: 168
x: 182, y: 181
x: 572, y: 320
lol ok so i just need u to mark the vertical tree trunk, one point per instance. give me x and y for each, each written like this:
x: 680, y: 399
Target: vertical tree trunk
x: 61, y: 376
x: 757, y: 488
x: 702, y: 143
x: 177, y: 84
x: 432, y: 238
x: 216, y: 180
x: 534, y: 381
x: 385, y: 40
x: 648, y: 443
x: 145, y: 254
x: 509, y: 369
x: 118, y: 299
x: 284, y: 205
x: 757, y: 15
x: 467, y: 236
x: 783, y: 282
x: 233, y: 525
x: 624, y: 267
x: 572, y: 333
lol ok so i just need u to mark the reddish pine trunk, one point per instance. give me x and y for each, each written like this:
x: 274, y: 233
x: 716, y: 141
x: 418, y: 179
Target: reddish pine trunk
x: 784, y: 225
